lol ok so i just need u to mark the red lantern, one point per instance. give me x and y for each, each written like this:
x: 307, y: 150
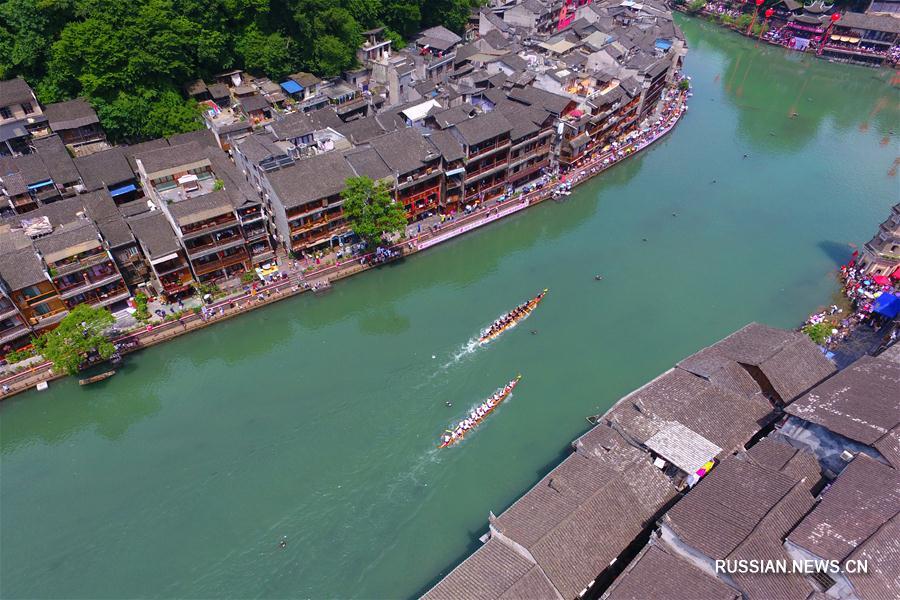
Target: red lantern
x: 769, y: 13
x: 835, y: 18
x: 760, y: 2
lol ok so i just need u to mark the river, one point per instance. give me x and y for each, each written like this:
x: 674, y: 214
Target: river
x: 317, y: 418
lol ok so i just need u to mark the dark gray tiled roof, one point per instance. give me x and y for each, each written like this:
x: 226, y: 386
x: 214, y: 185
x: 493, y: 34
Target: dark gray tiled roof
x: 861, y: 402
x: 447, y: 145
x: 311, y: 179
x: 115, y: 231
x: 72, y: 235
x: 404, y: 151
x: 492, y: 570
x: 324, y: 118
x: 367, y: 162
x: 788, y: 359
x: 452, y: 116
x: 549, y: 101
x: 886, y: 23
x: 722, y: 416
x: 70, y: 114
x: 863, y: 499
x: 58, y: 160
x: 361, y: 130
x: 201, y: 208
x: 658, y: 575
x: 135, y: 149
x: 21, y: 268
x: 292, y: 126
x: 172, y: 156
x: 204, y: 137
x: 30, y: 166
x: 483, y: 127
x: 254, y: 103
x: 777, y: 455
x: 106, y: 168
x: 135, y: 207
x: 155, y: 233
x: 729, y: 504
x: 15, y: 91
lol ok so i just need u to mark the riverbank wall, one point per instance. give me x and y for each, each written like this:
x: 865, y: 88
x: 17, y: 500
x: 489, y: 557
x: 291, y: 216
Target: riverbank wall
x: 297, y: 283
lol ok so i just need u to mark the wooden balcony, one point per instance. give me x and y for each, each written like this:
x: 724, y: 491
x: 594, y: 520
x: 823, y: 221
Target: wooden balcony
x: 220, y: 263
x: 484, y: 151
x: 217, y: 224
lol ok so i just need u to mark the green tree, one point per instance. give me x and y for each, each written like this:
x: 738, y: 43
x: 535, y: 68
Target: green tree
x: 743, y: 22
x: 696, y: 6
x: 78, y: 334
x: 371, y: 211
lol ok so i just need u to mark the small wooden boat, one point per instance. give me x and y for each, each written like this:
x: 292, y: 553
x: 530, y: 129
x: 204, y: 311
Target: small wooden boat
x: 495, y: 330
x: 450, y: 438
x: 96, y: 378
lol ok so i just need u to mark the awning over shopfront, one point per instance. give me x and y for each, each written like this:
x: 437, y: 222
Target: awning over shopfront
x: 887, y: 305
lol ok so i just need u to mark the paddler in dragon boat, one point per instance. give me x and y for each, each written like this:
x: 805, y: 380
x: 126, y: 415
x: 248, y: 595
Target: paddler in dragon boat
x: 506, y: 319
x: 475, y: 416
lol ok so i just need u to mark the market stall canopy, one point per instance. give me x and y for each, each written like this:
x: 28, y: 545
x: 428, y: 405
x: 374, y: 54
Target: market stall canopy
x: 887, y: 305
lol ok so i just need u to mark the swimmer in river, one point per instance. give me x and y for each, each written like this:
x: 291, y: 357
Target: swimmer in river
x: 598, y: 277
x: 448, y: 403
x: 283, y: 543
x: 534, y: 332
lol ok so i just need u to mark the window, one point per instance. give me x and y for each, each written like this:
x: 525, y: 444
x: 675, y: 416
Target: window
x: 27, y: 107
x: 5, y: 112
x: 41, y: 309
x: 32, y: 291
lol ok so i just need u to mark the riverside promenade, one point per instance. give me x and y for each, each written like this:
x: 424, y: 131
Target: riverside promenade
x: 298, y: 282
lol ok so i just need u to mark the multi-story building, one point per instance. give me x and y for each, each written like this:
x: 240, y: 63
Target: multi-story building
x: 170, y: 271
x: 881, y: 254
x: 109, y: 170
x: 211, y: 234
x: 454, y: 168
x: 14, y: 331
x: 21, y: 117
x: 305, y: 204
x: 75, y: 122
x: 27, y: 283
x: 81, y: 267
x: 486, y: 142
x: 417, y: 169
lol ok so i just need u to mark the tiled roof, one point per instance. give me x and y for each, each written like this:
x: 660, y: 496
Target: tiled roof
x: 881, y: 553
x: 201, y: 208
x: 68, y: 240
x: 788, y: 359
x: 722, y: 416
x: 727, y: 505
x: 447, y: 145
x: 861, y: 402
x: 361, y: 130
x: 658, y: 575
x: 492, y: 570
x: 861, y: 500
x: 171, y: 157
x: 15, y: 91
x: 483, y: 127
x: 141, y: 148
x: 204, y: 137
x: 404, y: 150
x: 292, y: 126
x: 311, y: 179
x: 106, y: 168
x: 21, y: 268
x: 366, y: 162
x: 155, y: 234
x: 70, y: 114
x: 57, y: 159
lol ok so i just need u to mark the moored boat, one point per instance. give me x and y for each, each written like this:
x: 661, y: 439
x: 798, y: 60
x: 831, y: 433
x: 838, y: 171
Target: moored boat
x: 96, y: 378
x: 478, y: 415
x: 511, y: 319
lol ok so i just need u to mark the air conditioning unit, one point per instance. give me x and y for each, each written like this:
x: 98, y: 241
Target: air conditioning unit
x: 846, y: 456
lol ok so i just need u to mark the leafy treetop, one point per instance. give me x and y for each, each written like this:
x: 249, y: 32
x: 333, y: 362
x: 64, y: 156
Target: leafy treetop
x: 78, y: 334
x: 130, y: 58
x: 371, y: 211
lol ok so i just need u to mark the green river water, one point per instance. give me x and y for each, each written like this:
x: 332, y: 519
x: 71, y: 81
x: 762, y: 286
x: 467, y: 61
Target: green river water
x: 316, y: 419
